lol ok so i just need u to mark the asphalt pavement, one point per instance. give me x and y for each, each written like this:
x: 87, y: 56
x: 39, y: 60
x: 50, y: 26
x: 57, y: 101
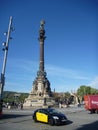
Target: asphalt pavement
x: 78, y: 119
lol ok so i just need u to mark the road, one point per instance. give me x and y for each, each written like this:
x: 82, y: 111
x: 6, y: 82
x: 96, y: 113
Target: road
x: 78, y: 119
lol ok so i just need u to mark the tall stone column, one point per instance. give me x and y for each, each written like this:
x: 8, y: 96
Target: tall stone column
x: 41, y: 40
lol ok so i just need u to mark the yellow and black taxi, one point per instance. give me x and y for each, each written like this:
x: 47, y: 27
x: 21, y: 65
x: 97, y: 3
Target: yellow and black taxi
x: 49, y: 115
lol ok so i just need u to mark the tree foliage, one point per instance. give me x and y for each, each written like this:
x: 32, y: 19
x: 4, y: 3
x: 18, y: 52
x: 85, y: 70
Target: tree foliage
x: 67, y: 94
x: 14, y: 96
x: 84, y: 90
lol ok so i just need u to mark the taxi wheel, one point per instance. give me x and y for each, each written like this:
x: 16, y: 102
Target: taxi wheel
x: 35, y: 119
x: 51, y: 122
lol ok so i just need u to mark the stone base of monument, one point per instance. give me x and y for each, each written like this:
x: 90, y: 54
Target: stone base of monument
x: 38, y: 101
x: 45, y: 106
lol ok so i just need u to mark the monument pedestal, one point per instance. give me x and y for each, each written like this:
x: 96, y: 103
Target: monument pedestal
x: 37, y: 101
x: 41, y: 95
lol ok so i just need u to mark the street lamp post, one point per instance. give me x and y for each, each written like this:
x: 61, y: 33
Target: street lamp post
x: 6, y: 46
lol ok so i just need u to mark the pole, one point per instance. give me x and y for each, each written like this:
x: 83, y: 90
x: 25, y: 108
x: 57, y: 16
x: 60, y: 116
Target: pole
x: 6, y: 46
x: 2, y: 82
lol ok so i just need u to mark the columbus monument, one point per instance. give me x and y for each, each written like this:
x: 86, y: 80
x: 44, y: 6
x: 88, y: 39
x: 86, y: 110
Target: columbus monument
x: 41, y: 94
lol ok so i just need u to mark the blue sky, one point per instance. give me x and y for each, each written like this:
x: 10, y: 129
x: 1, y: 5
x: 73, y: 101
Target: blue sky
x: 71, y: 46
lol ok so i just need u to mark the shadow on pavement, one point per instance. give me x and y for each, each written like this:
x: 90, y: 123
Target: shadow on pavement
x: 69, y: 122
x: 92, y: 126
x: 7, y: 116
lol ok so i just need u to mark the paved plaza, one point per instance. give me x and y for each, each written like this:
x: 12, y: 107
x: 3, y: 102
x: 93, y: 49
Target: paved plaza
x: 78, y: 119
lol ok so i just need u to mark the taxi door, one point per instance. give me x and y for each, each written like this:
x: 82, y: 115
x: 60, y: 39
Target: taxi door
x: 42, y: 117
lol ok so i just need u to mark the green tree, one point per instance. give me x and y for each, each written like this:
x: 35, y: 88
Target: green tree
x: 67, y: 94
x: 10, y: 96
x: 94, y: 91
x: 84, y: 90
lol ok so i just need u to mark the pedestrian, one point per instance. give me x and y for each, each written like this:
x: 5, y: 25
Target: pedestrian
x: 21, y: 106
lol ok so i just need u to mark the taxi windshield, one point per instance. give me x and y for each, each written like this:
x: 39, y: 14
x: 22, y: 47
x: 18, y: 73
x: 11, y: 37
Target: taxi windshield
x: 51, y: 111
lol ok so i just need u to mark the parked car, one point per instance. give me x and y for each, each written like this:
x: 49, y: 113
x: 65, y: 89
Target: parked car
x: 49, y: 115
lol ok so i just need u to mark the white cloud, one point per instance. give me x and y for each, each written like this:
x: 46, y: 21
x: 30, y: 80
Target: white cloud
x: 22, y: 72
x: 31, y: 67
x: 94, y: 82
x: 65, y: 73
